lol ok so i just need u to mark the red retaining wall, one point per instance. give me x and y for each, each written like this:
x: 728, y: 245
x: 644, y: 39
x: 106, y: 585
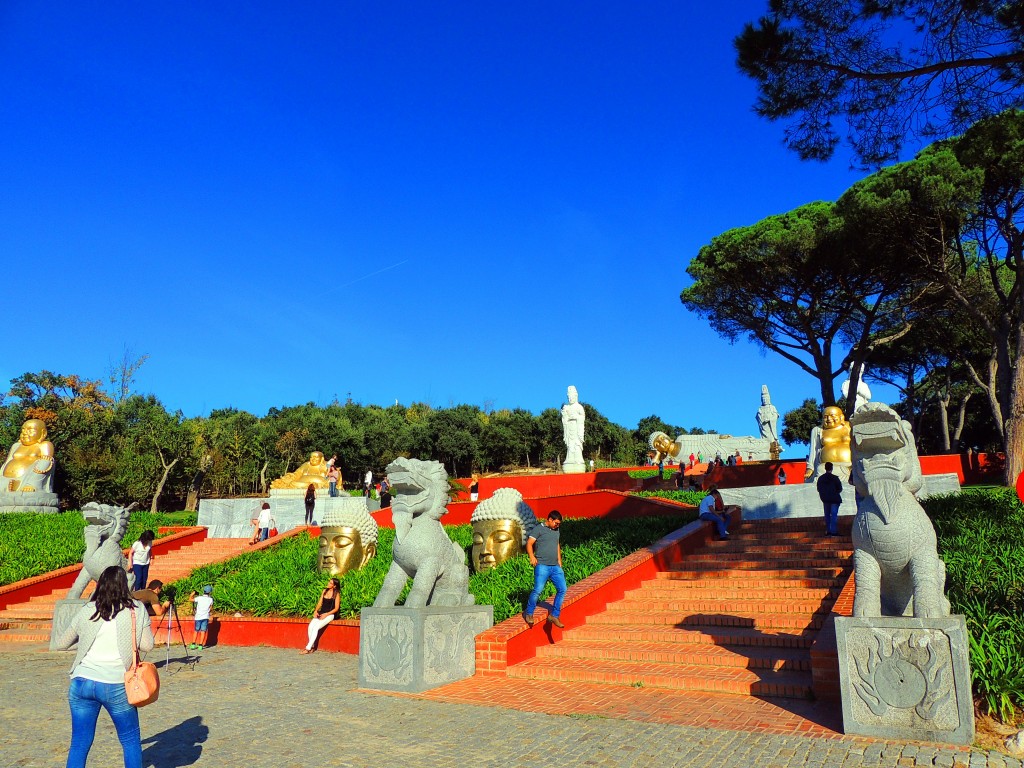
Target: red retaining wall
x: 63, y: 578
x: 341, y: 636
x: 611, y: 504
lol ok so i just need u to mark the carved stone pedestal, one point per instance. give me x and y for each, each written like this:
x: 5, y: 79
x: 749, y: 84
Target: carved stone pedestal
x: 64, y: 613
x: 416, y: 649
x: 905, y: 678
x: 36, y: 501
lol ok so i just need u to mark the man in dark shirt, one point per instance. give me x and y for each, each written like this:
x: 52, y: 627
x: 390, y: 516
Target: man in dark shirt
x: 545, y: 553
x: 150, y: 597
x: 830, y: 491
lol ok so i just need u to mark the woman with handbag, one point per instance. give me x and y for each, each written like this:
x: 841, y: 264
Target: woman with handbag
x: 109, y: 631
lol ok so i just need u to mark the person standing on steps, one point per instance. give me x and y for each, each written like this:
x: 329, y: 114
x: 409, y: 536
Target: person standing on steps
x: 545, y: 551
x: 830, y: 491
x: 310, y: 502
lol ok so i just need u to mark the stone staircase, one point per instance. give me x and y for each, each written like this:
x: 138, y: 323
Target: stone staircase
x: 30, y: 622
x: 737, y: 616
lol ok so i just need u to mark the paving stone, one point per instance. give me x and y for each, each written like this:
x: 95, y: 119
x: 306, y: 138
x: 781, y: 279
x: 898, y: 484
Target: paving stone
x: 274, y: 708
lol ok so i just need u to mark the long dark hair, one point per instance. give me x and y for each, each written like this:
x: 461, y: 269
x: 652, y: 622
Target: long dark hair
x: 146, y: 537
x: 112, y: 593
x: 311, y: 492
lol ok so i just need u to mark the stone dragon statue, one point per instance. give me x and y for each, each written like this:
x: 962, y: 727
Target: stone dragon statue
x: 105, y: 525
x: 422, y: 550
x: 896, y: 562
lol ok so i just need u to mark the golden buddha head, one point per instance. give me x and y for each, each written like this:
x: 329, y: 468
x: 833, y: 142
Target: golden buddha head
x: 832, y: 417
x: 33, y: 431
x: 500, y: 526
x: 316, y: 458
x: 348, y: 540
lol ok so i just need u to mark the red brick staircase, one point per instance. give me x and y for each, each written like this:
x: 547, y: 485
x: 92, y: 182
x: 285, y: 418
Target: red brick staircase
x: 738, y: 616
x: 30, y: 622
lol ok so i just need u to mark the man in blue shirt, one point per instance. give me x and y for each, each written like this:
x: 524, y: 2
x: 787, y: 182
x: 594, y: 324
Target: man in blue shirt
x: 545, y: 553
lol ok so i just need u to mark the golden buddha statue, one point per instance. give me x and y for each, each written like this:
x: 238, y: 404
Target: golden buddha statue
x: 500, y: 527
x: 29, y: 464
x: 348, y: 540
x: 830, y: 442
x: 313, y: 472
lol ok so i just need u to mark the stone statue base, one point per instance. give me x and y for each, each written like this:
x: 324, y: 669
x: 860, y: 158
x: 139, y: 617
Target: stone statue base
x: 905, y: 678
x: 842, y: 471
x: 64, y: 613
x: 574, y: 468
x: 36, y: 501
x: 232, y: 518
x: 416, y: 649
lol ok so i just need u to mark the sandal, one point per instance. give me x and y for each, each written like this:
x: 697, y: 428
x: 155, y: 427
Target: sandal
x: 305, y: 650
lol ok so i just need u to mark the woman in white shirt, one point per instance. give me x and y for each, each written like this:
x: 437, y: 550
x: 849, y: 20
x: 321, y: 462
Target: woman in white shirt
x: 141, y: 557
x: 106, y: 630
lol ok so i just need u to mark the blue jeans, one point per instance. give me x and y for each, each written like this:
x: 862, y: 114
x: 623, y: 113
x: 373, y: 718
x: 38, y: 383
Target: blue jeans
x: 141, y: 575
x: 86, y: 697
x: 831, y: 518
x: 264, y: 534
x: 332, y: 490
x: 541, y: 575
x: 718, y: 521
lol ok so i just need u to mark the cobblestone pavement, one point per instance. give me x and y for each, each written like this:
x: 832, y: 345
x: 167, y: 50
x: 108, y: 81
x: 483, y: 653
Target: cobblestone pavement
x: 267, y: 707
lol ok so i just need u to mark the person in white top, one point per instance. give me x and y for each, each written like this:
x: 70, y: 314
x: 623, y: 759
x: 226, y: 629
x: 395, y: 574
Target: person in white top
x: 262, y: 524
x: 203, y: 605
x: 106, y: 631
x: 367, y: 482
x: 141, y: 557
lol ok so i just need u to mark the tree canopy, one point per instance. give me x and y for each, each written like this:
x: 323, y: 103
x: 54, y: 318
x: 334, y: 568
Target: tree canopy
x: 889, y: 69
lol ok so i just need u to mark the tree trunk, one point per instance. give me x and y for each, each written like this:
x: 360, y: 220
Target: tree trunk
x: 961, y: 416
x: 161, y: 484
x: 1014, y: 435
x: 263, y: 477
x: 944, y: 421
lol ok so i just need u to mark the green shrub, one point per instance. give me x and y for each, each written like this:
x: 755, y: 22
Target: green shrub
x: 32, y: 544
x: 642, y: 474
x: 685, y: 497
x: 283, y: 581
x: 979, y: 539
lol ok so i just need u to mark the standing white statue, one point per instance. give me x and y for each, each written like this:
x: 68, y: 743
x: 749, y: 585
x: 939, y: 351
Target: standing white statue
x: 768, y: 417
x: 863, y: 391
x: 573, y: 417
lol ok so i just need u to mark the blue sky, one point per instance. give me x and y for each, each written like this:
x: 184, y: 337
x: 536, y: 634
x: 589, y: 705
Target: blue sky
x: 441, y: 202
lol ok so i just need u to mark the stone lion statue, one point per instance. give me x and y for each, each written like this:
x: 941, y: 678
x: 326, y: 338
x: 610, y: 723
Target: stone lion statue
x: 896, y: 562
x: 422, y: 550
x: 105, y: 525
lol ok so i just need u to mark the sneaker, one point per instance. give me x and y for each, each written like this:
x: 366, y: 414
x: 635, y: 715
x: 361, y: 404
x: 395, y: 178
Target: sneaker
x: 556, y: 621
x: 528, y: 618
x: 199, y: 647
x: 192, y: 646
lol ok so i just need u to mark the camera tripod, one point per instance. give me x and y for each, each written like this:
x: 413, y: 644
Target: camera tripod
x: 172, y: 615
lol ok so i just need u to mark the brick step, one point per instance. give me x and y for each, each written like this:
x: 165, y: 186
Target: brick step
x: 14, y: 635
x: 776, y: 524
x: 689, y: 620
x: 25, y: 624
x: 795, y: 566
x: 751, y: 580
x: 711, y: 603
x: 667, y: 590
x: 687, y: 678
x: 731, y: 636
x: 748, y: 657
x: 26, y: 611
x: 796, y: 556
x: 814, y: 533
x: 775, y: 547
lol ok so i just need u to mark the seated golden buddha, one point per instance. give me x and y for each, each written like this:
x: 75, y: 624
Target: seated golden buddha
x: 348, y: 540
x: 500, y: 527
x: 830, y: 442
x: 29, y: 464
x: 313, y: 472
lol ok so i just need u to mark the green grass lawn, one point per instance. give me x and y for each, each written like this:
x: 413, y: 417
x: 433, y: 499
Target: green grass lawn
x: 282, y: 580
x: 32, y: 544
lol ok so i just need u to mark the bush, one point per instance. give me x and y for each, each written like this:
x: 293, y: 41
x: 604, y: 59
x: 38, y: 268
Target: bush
x: 686, y: 497
x: 283, y: 581
x: 32, y: 544
x: 979, y: 538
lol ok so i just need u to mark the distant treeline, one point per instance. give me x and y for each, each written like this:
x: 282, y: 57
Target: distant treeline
x: 113, y: 446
